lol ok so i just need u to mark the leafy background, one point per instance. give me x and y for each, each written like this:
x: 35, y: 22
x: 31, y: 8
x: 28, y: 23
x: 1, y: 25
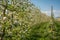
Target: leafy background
x: 21, y: 20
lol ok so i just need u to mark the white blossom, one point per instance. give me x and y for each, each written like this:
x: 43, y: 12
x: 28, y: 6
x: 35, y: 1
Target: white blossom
x: 4, y: 18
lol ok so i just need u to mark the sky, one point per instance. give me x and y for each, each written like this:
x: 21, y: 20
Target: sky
x: 45, y: 6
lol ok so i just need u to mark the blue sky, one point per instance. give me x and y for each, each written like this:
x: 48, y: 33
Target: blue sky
x: 45, y: 6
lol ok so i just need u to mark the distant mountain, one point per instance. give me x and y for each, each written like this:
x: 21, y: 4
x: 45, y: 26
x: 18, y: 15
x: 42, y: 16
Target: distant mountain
x: 58, y: 18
